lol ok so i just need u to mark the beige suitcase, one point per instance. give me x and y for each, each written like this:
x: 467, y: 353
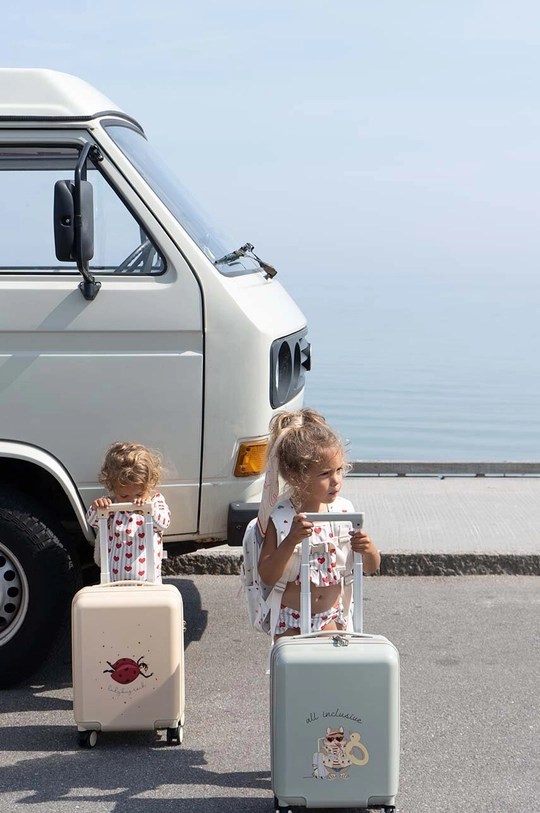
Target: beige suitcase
x: 127, y: 651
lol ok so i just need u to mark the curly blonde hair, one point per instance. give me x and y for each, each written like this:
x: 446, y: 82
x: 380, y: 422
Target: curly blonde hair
x: 305, y: 439
x: 128, y: 464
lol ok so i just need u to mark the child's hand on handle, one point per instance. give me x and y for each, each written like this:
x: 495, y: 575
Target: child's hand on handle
x: 300, y: 528
x: 101, y: 502
x: 361, y: 543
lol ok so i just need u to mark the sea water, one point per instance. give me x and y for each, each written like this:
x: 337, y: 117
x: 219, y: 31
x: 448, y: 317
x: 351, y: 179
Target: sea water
x: 418, y: 366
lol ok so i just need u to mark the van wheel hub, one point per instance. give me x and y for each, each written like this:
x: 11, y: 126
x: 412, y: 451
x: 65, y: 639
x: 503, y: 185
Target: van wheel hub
x: 13, y: 595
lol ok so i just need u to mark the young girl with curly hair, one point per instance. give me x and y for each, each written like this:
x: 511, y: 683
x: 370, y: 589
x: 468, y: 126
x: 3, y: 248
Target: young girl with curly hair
x: 130, y: 473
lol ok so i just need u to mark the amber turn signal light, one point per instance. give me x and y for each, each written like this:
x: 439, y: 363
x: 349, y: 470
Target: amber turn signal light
x: 251, y: 458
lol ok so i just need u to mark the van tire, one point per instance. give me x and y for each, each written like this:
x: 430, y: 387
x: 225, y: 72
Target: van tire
x: 38, y: 577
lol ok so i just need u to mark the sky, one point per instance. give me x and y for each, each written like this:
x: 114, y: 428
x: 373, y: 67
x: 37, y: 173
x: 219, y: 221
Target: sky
x: 355, y: 134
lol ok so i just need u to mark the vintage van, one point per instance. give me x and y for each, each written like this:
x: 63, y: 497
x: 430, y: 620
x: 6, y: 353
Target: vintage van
x: 124, y: 315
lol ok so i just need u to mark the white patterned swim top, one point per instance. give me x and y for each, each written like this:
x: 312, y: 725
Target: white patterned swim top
x: 329, y: 544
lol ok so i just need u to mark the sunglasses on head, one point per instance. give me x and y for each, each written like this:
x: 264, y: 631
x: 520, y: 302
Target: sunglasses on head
x: 337, y: 737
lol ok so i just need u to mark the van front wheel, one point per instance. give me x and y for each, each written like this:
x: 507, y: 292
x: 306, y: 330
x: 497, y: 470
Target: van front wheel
x: 37, y: 580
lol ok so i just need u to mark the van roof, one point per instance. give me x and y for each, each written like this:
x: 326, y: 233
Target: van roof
x: 39, y: 93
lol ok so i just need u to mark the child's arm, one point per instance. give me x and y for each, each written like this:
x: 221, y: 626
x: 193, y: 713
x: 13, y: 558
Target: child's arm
x: 162, y: 514
x: 371, y: 558
x: 274, y: 558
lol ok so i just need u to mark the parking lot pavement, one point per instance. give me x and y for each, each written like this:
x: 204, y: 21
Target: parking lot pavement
x: 470, y: 659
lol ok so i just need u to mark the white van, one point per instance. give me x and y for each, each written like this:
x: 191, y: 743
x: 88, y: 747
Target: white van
x: 124, y: 315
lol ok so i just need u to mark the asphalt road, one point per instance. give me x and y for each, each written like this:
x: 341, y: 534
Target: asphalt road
x: 470, y: 664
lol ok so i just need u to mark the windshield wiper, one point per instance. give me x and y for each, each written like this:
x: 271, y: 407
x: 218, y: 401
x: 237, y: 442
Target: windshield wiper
x: 247, y: 251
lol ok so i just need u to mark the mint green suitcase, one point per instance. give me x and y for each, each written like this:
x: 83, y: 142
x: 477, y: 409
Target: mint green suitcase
x: 334, y: 705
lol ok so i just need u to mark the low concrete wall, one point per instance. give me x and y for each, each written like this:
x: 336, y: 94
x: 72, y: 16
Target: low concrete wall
x: 223, y: 563
x: 437, y: 468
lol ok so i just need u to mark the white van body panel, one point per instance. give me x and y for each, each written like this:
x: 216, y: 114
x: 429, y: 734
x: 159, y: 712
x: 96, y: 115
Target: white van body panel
x: 39, y: 92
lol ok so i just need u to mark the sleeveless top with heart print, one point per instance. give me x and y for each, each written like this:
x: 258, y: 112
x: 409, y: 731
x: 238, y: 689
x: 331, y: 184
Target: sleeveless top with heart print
x: 329, y: 543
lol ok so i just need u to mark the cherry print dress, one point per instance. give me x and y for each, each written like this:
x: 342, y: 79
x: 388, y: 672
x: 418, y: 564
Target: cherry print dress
x: 127, y: 542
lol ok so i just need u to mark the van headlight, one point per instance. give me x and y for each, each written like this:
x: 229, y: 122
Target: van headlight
x: 290, y: 359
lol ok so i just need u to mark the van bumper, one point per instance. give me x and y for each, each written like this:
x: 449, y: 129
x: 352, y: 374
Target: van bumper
x: 240, y: 513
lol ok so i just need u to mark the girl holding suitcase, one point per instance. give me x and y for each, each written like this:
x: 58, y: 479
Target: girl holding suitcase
x: 310, y: 458
x: 130, y: 472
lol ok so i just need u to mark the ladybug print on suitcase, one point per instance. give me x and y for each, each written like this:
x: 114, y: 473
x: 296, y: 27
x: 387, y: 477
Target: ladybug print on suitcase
x: 126, y: 670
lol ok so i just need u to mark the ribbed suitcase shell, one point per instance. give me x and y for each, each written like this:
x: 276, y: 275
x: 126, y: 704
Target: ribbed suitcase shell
x: 329, y: 680
x: 140, y: 622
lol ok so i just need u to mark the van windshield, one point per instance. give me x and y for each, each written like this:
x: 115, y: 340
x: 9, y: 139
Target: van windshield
x: 212, y: 241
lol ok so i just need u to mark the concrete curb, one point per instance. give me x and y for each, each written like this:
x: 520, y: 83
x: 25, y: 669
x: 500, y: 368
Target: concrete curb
x: 459, y: 564
x: 225, y: 563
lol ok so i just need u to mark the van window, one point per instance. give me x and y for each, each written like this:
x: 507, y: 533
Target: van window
x: 27, y: 178
x: 211, y: 240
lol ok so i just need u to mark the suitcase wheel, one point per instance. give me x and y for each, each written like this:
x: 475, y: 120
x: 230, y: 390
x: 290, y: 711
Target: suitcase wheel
x: 280, y: 808
x: 175, y: 735
x: 87, y: 739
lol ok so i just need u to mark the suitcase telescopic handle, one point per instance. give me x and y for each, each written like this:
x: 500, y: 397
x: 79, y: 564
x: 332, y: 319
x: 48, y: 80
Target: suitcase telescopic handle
x: 126, y: 583
x: 147, y: 510
x: 357, y: 521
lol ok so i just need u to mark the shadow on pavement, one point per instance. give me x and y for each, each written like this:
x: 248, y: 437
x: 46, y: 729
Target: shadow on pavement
x: 223, y: 804
x: 32, y: 695
x: 195, y: 617
x: 100, y: 774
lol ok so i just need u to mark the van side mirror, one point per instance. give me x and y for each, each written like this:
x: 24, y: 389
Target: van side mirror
x: 65, y: 235
x: 74, y: 221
